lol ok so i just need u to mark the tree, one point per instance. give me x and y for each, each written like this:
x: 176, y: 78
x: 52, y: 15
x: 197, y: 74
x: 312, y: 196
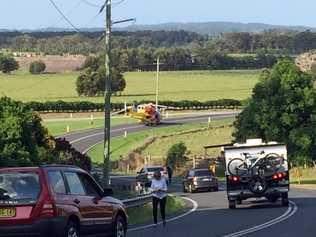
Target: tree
x: 37, y: 67
x: 176, y: 155
x: 91, y: 83
x: 25, y: 142
x: 282, y: 109
x: 8, y: 64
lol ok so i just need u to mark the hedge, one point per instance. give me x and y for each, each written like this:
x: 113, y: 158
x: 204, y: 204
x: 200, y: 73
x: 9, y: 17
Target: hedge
x: 84, y: 106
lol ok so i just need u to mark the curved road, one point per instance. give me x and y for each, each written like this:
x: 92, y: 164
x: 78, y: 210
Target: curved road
x: 209, y: 215
x: 83, y: 141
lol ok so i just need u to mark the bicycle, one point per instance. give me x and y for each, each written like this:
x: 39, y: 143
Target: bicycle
x: 255, y: 164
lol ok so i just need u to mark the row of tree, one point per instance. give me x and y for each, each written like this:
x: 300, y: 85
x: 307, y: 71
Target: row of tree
x: 174, y: 59
x: 273, y: 41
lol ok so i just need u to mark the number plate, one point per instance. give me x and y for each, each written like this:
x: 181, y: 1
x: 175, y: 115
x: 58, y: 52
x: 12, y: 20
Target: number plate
x: 7, y: 212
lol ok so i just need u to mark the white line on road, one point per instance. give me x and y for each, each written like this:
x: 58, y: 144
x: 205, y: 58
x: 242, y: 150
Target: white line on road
x: 290, y: 212
x: 195, y: 206
x: 101, y: 133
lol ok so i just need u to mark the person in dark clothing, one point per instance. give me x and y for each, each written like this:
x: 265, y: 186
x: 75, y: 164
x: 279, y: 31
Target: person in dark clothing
x: 170, y: 172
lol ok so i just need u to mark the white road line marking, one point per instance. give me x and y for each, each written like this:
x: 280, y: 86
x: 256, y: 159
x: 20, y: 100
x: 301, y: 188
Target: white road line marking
x: 289, y: 213
x: 100, y: 133
x: 195, y: 207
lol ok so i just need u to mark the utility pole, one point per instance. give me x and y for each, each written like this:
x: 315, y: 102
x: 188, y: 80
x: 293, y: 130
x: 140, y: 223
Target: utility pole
x: 157, y: 82
x: 107, y: 96
x: 107, y: 90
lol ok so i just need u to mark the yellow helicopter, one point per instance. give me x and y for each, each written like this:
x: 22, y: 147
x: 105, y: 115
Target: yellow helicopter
x: 148, y: 114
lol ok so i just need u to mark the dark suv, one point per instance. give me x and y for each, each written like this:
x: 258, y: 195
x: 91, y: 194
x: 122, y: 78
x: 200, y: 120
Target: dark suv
x: 54, y: 201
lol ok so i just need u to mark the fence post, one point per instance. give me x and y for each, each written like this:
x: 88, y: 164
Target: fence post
x: 194, y: 162
x: 91, y: 119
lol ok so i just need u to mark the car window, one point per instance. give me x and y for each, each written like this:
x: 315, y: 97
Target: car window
x: 154, y: 169
x: 74, y: 183
x: 20, y: 187
x: 203, y: 173
x: 56, y: 182
x: 89, y: 185
x: 191, y: 173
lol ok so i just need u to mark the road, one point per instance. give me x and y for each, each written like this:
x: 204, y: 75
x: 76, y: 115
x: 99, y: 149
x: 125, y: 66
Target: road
x: 212, y: 218
x: 209, y: 215
x: 85, y: 140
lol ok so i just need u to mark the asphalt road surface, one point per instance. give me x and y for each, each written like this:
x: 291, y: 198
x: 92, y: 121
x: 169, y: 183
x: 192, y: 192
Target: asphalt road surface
x: 212, y: 218
x: 83, y: 141
x: 209, y: 215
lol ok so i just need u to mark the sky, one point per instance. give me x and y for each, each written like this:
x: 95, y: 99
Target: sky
x: 34, y: 14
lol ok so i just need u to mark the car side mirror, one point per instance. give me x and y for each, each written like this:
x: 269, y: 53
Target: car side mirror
x: 107, y: 192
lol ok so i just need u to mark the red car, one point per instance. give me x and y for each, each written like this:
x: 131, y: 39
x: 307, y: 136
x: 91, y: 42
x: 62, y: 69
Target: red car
x: 54, y: 201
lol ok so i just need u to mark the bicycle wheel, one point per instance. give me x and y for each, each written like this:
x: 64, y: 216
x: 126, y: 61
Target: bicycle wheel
x: 236, y: 167
x: 272, y: 163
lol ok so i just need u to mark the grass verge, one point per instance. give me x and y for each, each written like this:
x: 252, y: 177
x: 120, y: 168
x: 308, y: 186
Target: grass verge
x: 60, y: 127
x: 307, y: 176
x: 121, y: 146
x: 143, y: 214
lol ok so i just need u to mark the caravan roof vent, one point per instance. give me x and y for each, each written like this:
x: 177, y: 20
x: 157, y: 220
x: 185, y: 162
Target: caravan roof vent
x: 254, y: 142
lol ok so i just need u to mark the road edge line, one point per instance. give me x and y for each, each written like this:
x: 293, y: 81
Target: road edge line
x: 193, y: 209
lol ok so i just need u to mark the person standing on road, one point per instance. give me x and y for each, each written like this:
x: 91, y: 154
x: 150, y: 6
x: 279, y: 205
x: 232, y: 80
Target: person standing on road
x: 159, y: 189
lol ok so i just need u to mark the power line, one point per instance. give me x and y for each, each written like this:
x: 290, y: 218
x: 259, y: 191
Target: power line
x: 63, y: 15
x: 69, y: 12
x: 91, y: 4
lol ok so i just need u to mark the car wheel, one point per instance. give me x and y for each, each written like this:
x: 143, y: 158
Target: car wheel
x: 273, y: 199
x: 232, y: 204
x: 72, y: 230
x: 285, y: 199
x: 120, y: 227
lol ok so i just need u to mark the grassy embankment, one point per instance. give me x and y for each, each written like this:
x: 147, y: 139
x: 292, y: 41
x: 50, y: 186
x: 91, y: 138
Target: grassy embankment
x: 60, y: 127
x: 186, y: 85
x: 307, y: 176
x: 195, y: 141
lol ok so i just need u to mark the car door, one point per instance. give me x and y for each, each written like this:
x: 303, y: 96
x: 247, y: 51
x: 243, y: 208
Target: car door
x: 93, y: 218
x: 101, y: 212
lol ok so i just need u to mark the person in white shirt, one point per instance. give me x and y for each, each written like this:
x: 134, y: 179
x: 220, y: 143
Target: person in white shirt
x: 159, y: 192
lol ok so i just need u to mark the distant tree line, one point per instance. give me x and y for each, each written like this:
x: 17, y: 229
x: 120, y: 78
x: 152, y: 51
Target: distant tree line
x: 91, y: 42
x: 174, y: 59
x: 272, y: 41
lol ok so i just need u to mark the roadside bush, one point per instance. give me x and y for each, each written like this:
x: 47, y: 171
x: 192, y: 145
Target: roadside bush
x: 176, y: 155
x: 37, y: 67
x: 85, y: 106
x: 25, y: 142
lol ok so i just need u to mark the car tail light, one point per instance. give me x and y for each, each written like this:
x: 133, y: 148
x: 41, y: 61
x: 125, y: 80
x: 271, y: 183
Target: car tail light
x: 279, y: 176
x: 48, y: 210
x: 234, y: 179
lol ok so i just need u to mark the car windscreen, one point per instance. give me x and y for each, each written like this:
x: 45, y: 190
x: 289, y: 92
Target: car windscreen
x: 203, y: 173
x: 19, y: 187
x: 154, y: 169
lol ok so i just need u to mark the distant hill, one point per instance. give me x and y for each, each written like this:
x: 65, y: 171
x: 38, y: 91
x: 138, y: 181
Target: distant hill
x: 204, y: 28
x: 215, y: 28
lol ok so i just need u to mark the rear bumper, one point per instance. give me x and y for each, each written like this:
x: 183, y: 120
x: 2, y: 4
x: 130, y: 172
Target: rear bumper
x: 245, y: 194
x: 47, y: 228
x: 205, y: 185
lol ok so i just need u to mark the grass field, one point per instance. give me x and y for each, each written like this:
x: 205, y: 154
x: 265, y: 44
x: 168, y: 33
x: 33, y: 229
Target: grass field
x: 121, y: 146
x: 190, y: 85
x: 60, y: 127
x: 307, y: 176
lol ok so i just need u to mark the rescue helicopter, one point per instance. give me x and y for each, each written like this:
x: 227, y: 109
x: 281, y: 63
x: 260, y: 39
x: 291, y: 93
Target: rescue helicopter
x: 148, y: 114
